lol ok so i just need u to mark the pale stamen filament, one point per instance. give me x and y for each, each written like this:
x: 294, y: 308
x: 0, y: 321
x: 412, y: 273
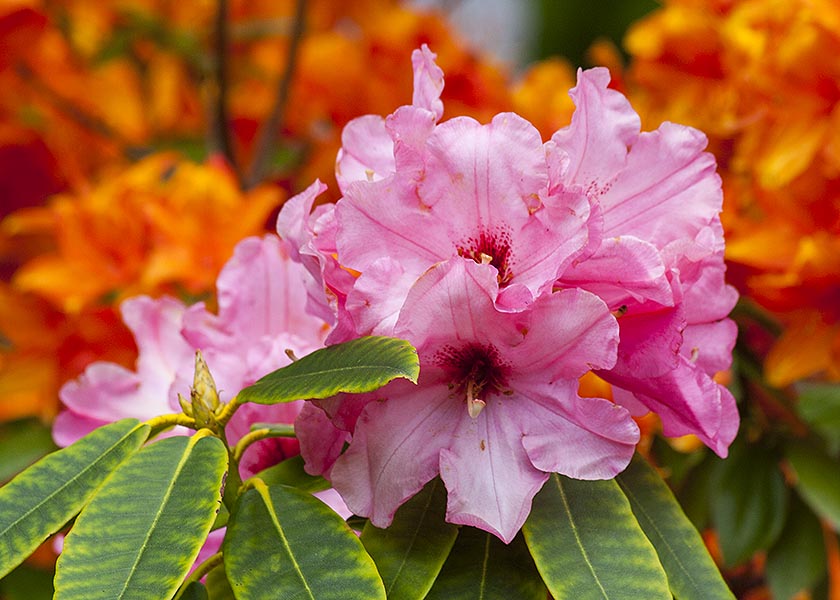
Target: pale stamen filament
x: 474, y: 405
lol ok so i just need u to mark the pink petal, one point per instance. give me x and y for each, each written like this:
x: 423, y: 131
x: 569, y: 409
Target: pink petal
x: 710, y: 345
x: 668, y: 190
x: 297, y: 228
x: 107, y: 392
x: 259, y: 292
x: 484, y: 176
x: 395, y: 450
x: 623, y: 270
x: 162, y: 352
x: 549, y: 241
x: 293, y: 222
x: 594, y: 146
x: 428, y: 81
x: 410, y: 127
x: 264, y: 453
x: 70, y: 426
x: 454, y: 301
x: 377, y: 297
x: 557, y: 345
x: 321, y: 442
x: 688, y: 401
x: 583, y: 438
x: 489, y: 478
x: 367, y: 151
x: 384, y: 218
x: 651, y: 339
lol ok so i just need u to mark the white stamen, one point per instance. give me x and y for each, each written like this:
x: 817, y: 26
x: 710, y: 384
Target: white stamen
x: 474, y: 405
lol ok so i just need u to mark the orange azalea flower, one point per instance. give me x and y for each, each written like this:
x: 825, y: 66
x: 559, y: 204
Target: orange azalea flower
x: 542, y: 95
x: 40, y: 348
x: 762, y: 80
x: 122, y: 75
x: 163, y: 225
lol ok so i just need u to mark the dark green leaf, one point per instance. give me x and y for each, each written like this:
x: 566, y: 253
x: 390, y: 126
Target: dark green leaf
x: 481, y: 567
x: 284, y: 543
x: 675, y: 465
x: 816, y: 480
x: 195, y: 591
x: 290, y: 472
x: 360, y: 365
x: 410, y: 553
x: 692, y: 574
x: 797, y: 561
x: 21, y: 444
x: 218, y: 587
x: 587, y: 543
x: 142, y: 531
x: 749, y: 502
x: 819, y: 406
x: 27, y: 583
x: 695, y: 494
x: 41, y: 500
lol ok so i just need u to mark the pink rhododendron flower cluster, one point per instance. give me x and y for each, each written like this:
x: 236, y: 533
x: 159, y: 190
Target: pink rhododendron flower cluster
x: 260, y: 315
x: 514, y: 266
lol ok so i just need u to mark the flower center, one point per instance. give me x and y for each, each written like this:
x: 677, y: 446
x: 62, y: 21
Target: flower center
x: 490, y: 248
x: 476, y: 371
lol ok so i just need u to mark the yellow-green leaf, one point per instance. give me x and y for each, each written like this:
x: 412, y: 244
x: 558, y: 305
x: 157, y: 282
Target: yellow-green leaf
x: 692, y: 574
x: 481, y: 567
x: 361, y: 365
x: 141, y: 533
x: 587, y: 543
x: 44, y: 497
x: 284, y: 543
x: 411, y: 551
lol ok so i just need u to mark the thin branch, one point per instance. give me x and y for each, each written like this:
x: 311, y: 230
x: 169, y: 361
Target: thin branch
x: 163, y: 422
x: 268, y: 132
x: 220, y: 130
x: 255, y: 436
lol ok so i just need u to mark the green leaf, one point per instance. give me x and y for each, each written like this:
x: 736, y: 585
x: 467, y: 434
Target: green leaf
x: 692, y: 574
x: 27, y: 583
x: 290, y: 472
x: 195, y: 591
x: 587, y: 543
x: 218, y: 587
x: 797, y: 561
x: 482, y: 567
x: 284, y: 543
x: 696, y: 491
x: 816, y: 480
x: 41, y: 500
x: 360, y: 365
x: 819, y: 405
x: 410, y: 553
x: 677, y: 465
x: 142, y: 532
x: 21, y: 444
x: 749, y: 502
x: 276, y: 429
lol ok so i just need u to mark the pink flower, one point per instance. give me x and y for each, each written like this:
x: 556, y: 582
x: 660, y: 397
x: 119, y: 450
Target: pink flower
x: 660, y: 261
x: 514, y: 266
x: 497, y: 406
x: 260, y: 299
